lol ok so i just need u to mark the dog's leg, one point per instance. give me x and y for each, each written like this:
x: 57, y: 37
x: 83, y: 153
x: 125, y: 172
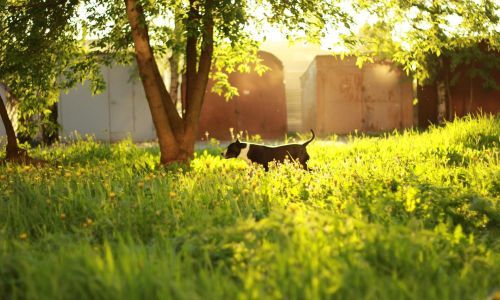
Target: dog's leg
x: 304, y: 161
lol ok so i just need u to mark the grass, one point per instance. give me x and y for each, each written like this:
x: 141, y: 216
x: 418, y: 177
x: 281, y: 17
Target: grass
x: 404, y: 216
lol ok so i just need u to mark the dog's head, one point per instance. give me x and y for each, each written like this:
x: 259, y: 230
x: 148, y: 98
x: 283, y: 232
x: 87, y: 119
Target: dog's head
x: 234, y: 149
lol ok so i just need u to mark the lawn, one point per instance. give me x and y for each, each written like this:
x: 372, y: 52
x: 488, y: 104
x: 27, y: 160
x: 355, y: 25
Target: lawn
x: 412, y: 215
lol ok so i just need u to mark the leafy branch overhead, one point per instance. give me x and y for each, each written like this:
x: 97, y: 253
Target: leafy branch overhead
x: 238, y: 29
x: 41, y: 55
x: 416, y: 34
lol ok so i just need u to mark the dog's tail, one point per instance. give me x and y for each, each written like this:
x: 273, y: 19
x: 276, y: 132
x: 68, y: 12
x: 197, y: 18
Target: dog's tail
x: 312, y: 138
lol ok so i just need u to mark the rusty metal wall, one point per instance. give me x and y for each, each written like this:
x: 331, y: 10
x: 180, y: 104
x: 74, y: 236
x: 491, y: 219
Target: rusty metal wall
x: 377, y: 97
x: 259, y: 109
x: 467, y: 96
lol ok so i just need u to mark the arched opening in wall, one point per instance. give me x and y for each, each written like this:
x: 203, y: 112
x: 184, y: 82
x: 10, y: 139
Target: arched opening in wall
x: 259, y: 109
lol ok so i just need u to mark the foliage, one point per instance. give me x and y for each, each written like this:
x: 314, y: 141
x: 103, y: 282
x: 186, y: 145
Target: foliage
x: 239, y: 27
x: 404, y: 216
x: 417, y: 34
x: 482, y: 65
x: 41, y: 55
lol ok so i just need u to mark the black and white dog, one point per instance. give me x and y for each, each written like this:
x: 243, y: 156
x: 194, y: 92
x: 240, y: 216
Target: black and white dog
x: 263, y: 155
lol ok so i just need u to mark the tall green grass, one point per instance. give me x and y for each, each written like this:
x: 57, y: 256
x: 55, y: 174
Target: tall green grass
x: 405, y: 216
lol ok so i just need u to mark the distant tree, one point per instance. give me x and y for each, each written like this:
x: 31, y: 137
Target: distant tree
x: 40, y: 56
x: 217, y: 37
x: 427, y: 37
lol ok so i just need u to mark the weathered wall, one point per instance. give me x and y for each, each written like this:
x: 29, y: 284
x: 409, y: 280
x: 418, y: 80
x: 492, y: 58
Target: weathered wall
x: 375, y: 98
x: 309, y: 93
x: 259, y: 109
x: 339, y: 105
x: 387, y: 95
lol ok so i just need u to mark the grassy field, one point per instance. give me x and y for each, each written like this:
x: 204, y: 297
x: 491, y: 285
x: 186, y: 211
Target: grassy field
x: 405, y: 216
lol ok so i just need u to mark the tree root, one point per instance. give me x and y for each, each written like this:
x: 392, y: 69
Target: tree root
x: 21, y: 157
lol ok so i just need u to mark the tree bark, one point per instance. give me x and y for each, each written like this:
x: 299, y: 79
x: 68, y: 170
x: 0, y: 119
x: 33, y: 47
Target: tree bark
x: 441, y: 97
x: 191, y: 54
x: 12, y: 148
x: 442, y: 104
x: 449, y: 102
x: 448, y: 98
x: 174, y: 78
x: 173, y: 116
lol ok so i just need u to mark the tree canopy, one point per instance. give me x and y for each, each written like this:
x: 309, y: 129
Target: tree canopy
x: 417, y: 33
x: 41, y: 55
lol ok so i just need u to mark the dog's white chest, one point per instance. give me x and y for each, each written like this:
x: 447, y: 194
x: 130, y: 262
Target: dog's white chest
x: 244, y: 154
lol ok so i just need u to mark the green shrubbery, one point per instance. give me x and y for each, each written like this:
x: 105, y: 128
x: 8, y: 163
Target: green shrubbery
x: 406, y: 216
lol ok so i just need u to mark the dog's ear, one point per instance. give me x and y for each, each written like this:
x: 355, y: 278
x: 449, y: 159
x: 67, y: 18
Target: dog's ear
x: 240, y: 144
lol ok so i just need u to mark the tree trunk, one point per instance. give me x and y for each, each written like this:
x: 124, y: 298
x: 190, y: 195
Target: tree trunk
x: 152, y: 82
x: 12, y: 145
x: 12, y: 150
x: 441, y: 93
x: 176, y: 135
x: 441, y: 97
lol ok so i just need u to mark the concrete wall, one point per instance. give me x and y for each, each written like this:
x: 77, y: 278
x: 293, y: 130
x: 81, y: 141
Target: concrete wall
x: 121, y: 110
x: 338, y: 97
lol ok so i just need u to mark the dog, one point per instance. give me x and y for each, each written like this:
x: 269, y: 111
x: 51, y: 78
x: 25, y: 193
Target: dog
x: 263, y: 155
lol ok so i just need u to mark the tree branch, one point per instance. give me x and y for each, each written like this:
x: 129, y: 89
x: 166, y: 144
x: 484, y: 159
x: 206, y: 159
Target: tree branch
x: 173, y: 116
x: 191, y: 54
x: 196, y: 101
